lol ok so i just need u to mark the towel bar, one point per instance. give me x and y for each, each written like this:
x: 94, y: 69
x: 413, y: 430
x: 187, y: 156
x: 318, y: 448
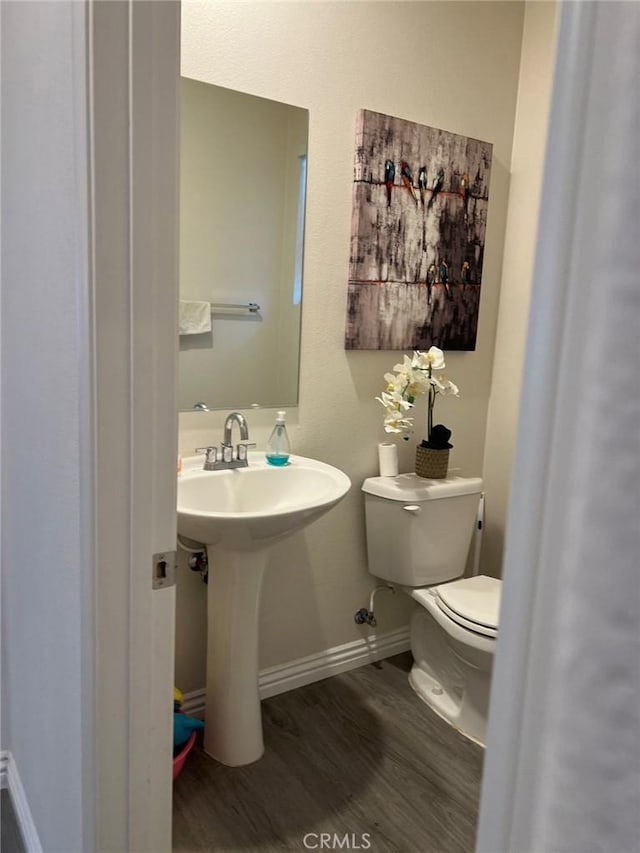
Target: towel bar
x: 232, y: 308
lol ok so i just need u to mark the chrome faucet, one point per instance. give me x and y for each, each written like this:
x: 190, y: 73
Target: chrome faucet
x: 229, y: 460
x: 228, y: 426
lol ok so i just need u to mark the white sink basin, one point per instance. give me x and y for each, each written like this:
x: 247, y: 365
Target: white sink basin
x: 238, y: 514
x: 243, y: 507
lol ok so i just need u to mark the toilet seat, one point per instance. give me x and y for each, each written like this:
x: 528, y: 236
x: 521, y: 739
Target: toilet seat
x: 473, y: 603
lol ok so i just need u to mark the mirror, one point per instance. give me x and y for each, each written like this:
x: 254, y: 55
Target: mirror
x: 243, y: 165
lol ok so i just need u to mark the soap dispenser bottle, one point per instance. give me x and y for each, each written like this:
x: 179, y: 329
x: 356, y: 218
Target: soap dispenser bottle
x: 278, y: 447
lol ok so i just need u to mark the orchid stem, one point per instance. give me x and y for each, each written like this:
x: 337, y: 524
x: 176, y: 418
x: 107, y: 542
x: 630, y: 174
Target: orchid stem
x: 430, y: 401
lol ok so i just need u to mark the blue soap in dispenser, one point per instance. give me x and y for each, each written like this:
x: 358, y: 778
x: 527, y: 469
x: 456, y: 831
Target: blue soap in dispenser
x: 278, y: 447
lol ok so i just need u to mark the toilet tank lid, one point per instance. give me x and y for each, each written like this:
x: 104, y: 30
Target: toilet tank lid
x: 411, y: 488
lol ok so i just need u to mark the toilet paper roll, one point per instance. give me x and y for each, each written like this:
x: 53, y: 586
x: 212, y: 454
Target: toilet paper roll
x: 388, y: 459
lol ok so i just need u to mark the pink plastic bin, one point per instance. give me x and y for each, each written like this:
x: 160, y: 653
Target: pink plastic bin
x: 181, y: 757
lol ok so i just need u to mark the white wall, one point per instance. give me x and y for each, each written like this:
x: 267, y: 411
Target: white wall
x: 237, y: 154
x: 450, y: 65
x: 43, y: 155
x: 534, y: 94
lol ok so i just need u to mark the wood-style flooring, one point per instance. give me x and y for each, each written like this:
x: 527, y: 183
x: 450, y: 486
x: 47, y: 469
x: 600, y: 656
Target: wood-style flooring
x: 10, y: 840
x: 358, y: 755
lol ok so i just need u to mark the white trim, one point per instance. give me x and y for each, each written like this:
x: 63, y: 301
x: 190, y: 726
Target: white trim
x: 111, y: 404
x: 134, y: 68
x: 86, y: 410
x: 194, y: 702
x: 324, y: 664
x: 10, y: 778
x: 297, y: 673
x: 4, y: 762
x: 154, y: 40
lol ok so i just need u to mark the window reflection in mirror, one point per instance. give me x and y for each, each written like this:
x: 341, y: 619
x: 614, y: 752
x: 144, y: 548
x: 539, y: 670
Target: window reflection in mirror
x: 243, y: 167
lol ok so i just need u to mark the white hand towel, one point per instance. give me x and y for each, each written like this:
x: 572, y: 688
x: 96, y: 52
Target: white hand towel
x: 194, y: 317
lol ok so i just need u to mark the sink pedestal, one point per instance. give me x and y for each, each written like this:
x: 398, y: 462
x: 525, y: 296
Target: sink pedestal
x: 240, y: 512
x: 233, y: 722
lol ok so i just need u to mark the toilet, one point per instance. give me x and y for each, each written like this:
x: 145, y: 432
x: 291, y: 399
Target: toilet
x: 419, y: 534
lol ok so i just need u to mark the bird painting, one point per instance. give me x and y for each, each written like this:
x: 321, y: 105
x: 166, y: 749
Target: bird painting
x: 465, y: 192
x: 432, y: 275
x: 443, y: 274
x: 389, y: 178
x: 420, y: 201
x: 422, y: 182
x: 438, y: 183
x: 407, y: 180
x: 465, y: 274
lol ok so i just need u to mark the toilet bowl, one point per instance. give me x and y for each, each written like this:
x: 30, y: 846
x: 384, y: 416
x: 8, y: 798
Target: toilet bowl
x: 418, y: 537
x: 453, y: 653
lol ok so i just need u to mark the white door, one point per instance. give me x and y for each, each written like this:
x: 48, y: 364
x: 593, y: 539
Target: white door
x: 133, y: 62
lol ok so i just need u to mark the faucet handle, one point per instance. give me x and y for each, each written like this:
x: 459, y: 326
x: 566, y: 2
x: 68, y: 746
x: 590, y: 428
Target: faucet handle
x: 242, y: 448
x: 211, y: 454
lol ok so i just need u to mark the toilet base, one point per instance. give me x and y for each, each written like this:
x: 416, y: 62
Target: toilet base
x: 451, y: 686
x: 447, y: 704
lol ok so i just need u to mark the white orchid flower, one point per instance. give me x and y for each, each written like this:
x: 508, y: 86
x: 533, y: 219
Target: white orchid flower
x: 411, y: 378
x: 394, y: 422
x: 436, y: 358
x: 394, y: 400
x: 444, y: 386
x: 419, y: 381
x: 406, y: 368
x: 433, y: 358
x: 396, y: 382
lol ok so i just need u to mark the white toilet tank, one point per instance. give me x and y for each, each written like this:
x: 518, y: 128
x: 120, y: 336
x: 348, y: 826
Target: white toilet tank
x: 418, y: 530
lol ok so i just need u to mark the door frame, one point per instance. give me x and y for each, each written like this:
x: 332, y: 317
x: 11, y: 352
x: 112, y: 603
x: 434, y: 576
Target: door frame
x: 132, y: 64
x: 133, y: 70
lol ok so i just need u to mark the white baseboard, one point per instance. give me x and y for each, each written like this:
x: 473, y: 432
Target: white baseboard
x: 297, y: 673
x: 4, y: 762
x: 10, y: 778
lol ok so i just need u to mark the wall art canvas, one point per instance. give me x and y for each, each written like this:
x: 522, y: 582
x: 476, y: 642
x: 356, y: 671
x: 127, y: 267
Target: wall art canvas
x: 420, y: 198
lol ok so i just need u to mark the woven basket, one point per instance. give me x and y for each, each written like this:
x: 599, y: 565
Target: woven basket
x: 432, y: 464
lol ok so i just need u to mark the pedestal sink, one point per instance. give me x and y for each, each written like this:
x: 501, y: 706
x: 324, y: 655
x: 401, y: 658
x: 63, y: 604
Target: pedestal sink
x: 238, y: 514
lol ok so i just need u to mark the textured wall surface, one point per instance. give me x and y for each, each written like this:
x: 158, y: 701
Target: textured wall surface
x: 42, y: 596
x: 448, y: 65
x: 534, y: 93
